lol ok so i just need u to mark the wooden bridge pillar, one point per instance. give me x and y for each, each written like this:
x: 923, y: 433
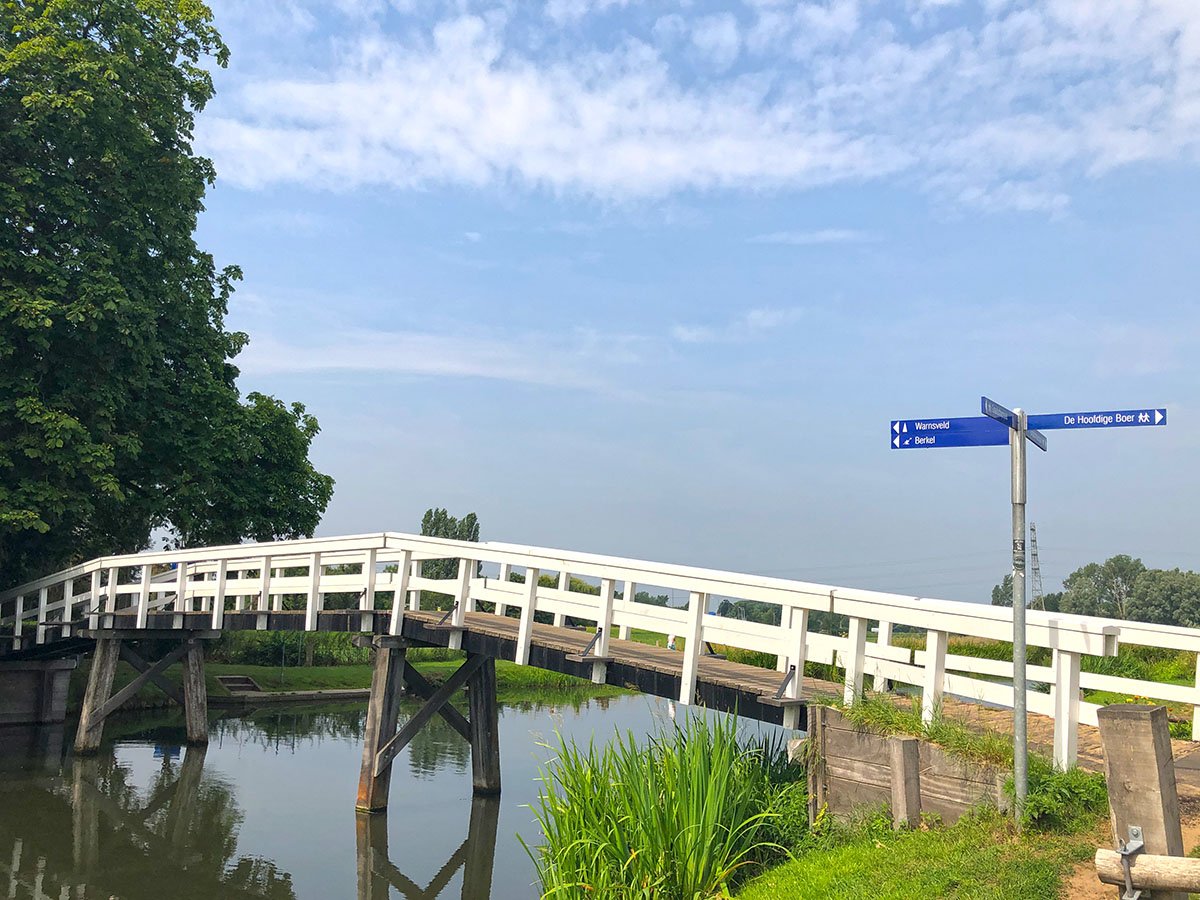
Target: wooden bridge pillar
x: 383, y: 711
x: 383, y: 741
x: 99, y: 701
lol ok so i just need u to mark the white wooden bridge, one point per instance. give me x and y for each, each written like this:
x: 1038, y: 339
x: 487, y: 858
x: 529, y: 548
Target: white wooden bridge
x: 201, y: 592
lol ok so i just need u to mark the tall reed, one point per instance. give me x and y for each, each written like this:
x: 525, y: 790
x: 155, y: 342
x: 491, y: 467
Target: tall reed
x: 675, y: 819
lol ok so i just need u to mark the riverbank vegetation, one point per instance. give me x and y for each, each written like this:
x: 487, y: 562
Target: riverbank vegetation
x: 683, y: 814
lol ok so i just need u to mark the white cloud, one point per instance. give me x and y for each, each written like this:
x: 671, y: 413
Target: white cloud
x: 569, y: 363
x: 718, y: 39
x: 809, y: 238
x: 473, y: 236
x: 1003, y: 112
x: 751, y: 324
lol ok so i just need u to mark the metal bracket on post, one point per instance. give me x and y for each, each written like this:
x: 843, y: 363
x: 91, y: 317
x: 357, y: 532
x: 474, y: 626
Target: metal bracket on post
x: 446, y: 618
x: 710, y: 653
x: 779, y: 699
x: 585, y: 656
x: 1128, y: 850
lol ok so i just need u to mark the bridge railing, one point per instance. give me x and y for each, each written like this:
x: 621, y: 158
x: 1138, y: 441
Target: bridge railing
x: 386, y: 571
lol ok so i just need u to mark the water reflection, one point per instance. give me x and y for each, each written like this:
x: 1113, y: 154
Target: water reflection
x: 88, y: 830
x: 267, y: 809
x: 377, y: 874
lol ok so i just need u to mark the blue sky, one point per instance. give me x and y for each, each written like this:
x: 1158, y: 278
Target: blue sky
x: 651, y: 278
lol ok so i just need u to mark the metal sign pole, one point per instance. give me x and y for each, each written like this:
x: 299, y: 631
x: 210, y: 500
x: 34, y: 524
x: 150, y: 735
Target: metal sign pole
x: 1020, y: 732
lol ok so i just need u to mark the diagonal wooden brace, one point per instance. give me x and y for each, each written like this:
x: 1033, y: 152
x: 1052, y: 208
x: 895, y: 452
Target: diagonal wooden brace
x: 160, y: 681
x: 425, y: 689
x: 130, y: 690
x: 400, y: 740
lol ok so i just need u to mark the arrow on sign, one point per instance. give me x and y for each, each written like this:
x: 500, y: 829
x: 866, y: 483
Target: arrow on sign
x: 1112, y: 418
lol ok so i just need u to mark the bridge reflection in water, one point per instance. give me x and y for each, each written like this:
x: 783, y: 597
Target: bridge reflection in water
x: 82, y: 828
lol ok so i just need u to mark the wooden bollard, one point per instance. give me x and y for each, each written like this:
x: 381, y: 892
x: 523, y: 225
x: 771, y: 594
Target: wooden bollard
x: 1141, y: 782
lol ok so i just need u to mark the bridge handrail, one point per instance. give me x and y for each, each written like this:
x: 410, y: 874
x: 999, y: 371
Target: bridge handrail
x: 214, y: 576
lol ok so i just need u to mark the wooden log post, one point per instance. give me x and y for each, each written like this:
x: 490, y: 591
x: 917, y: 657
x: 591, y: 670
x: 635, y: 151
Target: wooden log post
x: 195, y: 694
x: 1141, y: 779
x: 484, y: 728
x: 95, y: 698
x: 383, y: 711
x: 906, y: 781
x: 1150, y: 873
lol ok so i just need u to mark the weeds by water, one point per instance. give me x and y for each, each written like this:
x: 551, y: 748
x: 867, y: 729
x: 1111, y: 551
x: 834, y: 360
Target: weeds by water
x: 682, y: 815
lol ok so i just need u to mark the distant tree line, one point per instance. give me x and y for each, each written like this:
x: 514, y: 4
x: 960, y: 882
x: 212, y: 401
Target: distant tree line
x: 1122, y: 587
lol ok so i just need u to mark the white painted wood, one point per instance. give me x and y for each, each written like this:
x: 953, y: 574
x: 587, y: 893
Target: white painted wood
x: 414, y: 597
x: 1196, y: 707
x: 505, y: 571
x: 525, y: 629
x: 400, y: 597
x: 564, y: 585
x: 313, y: 606
x: 94, y: 601
x: 143, y: 603
x: 856, y: 660
x: 604, y: 623
x: 110, y: 599
x: 935, y: 674
x: 466, y: 568
x: 627, y: 598
x: 218, y: 602
x: 18, y: 622
x: 697, y: 606
x: 797, y: 644
x: 1064, y: 692
x: 884, y: 639
x: 263, y: 604
x: 366, y: 603
x: 39, y: 630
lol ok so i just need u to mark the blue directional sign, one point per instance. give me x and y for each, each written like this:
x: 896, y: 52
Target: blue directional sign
x: 1003, y: 414
x: 927, y: 434
x: 1114, y: 418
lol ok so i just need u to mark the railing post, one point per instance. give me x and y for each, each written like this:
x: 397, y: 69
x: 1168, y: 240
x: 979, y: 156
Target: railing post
x: 414, y: 597
x: 797, y: 645
x: 143, y: 607
x: 564, y: 584
x: 218, y: 607
x: 399, y: 597
x: 264, y: 593
x: 110, y: 599
x: 39, y: 632
x: 879, y: 683
x: 366, y: 605
x: 630, y: 593
x: 68, y: 606
x: 935, y: 673
x: 1066, y: 708
x: 697, y: 604
x: 1196, y: 706
x: 604, y: 623
x: 314, y: 592
x: 18, y: 624
x: 459, y: 618
x: 181, y: 603
x: 94, y: 601
x: 525, y: 629
x: 855, y: 662
x: 505, y: 569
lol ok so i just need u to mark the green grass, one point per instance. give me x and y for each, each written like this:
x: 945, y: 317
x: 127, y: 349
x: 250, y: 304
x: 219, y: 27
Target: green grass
x: 977, y: 858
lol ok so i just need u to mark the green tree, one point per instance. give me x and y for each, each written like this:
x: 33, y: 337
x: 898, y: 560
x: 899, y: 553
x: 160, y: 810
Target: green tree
x: 1002, y: 594
x: 437, y: 522
x: 1103, y: 589
x: 1167, y: 597
x: 119, y: 411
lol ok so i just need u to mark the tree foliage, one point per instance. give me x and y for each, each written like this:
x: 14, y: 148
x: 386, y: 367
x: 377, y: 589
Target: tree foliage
x: 1103, y: 589
x: 119, y: 411
x: 1002, y: 594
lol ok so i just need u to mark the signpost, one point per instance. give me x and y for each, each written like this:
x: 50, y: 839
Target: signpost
x: 1000, y: 425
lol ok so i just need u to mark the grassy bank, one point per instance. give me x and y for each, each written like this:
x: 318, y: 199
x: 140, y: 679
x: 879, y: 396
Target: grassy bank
x: 514, y: 683
x: 979, y: 857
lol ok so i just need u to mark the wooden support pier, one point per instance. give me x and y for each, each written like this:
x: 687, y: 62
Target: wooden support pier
x: 383, y: 740
x: 99, y: 701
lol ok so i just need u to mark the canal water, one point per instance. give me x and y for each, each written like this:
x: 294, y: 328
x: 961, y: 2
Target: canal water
x: 267, y: 809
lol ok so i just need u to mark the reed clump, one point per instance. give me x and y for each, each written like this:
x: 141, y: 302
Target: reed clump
x: 683, y: 815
